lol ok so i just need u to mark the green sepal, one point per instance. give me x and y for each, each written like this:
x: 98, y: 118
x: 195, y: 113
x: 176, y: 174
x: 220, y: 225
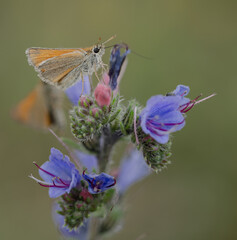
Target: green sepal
x: 114, y: 116
x: 122, y: 128
x: 108, y: 195
x: 156, y: 155
x: 77, y: 205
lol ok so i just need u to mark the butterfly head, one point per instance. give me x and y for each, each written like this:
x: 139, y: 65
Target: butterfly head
x: 98, y: 49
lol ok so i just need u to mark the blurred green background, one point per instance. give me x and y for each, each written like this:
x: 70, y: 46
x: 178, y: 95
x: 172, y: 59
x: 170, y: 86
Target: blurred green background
x: 190, y: 42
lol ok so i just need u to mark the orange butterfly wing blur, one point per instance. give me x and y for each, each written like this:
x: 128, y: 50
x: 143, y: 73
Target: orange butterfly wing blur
x: 42, y: 108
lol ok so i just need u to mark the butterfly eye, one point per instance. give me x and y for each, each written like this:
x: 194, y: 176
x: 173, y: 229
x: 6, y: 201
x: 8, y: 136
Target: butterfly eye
x: 96, y: 50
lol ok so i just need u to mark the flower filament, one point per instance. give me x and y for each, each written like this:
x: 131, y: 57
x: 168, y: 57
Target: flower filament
x: 56, y: 181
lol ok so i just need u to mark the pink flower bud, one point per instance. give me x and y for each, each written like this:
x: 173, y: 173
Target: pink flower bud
x: 96, y: 112
x: 106, y: 79
x: 84, y: 101
x: 102, y: 95
x: 85, y: 194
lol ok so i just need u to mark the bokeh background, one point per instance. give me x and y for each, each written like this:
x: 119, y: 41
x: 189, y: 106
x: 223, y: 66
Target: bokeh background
x: 190, y: 42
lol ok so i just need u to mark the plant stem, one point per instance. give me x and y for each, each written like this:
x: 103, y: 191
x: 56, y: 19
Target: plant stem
x: 94, y: 224
x: 106, y: 143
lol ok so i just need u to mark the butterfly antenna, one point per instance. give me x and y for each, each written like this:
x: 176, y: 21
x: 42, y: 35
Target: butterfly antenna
x: 109, y: 39
x: 140, y: 55
x: 110, y: 46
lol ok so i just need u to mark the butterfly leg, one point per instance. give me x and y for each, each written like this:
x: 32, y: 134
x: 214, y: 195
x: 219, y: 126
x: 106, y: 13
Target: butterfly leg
x: 82, y: 83
x: 90, y: 80
x: 104, y: 67
x: 96, y: 73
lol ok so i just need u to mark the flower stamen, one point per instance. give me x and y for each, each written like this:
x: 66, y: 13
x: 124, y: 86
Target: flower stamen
x: 204, y: 99
x: 188, y: 106
x: 46, y: 184
x: 43, y: 170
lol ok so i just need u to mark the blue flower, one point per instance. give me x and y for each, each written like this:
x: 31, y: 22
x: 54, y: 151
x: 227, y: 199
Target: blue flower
x: 165, y: 114
x: 80, y: 233
x: 116, y: 62
x: 99, y: 183
x: 132, y: 169
x: 59, y: 174
x: 162, y: 116
x: 74, y: 92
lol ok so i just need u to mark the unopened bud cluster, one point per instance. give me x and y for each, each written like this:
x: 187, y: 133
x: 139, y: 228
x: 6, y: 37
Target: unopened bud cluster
x: 77, y: 205
x: 156, y: 155
x: 88, y: 118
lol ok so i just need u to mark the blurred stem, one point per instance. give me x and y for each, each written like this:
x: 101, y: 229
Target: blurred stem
x: 94, y: 224
x: 106, y: 143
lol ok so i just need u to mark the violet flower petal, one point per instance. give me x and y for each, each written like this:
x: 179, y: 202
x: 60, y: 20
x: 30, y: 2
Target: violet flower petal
x: 74, y: 92
x: 162, y: 116
x: 99, y: 182
x: 182, y: 90
x: 59, y: 174
x: 81, y: 233
x: 132, y: 169
x: 116, y: 62
x: 88, y: 161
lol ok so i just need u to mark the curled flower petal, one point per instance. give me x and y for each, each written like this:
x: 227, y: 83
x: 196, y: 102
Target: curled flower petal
x: 99, y: 183
x: 181, y: 90
x: 116, y: 62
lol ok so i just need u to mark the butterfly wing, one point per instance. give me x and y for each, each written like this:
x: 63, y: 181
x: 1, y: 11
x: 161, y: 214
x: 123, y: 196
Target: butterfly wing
x: 42, y: 108
x: 58, y: 67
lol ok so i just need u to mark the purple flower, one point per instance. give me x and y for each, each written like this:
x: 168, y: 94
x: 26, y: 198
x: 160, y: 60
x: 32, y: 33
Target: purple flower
x: 74, y: 92
x: 116, y: 62
x: 165, y: 114
x: 99, y: 183
x: 59, y: 174
x: 80, y: 233
x: 132, y: 169
x: 161, y: 116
